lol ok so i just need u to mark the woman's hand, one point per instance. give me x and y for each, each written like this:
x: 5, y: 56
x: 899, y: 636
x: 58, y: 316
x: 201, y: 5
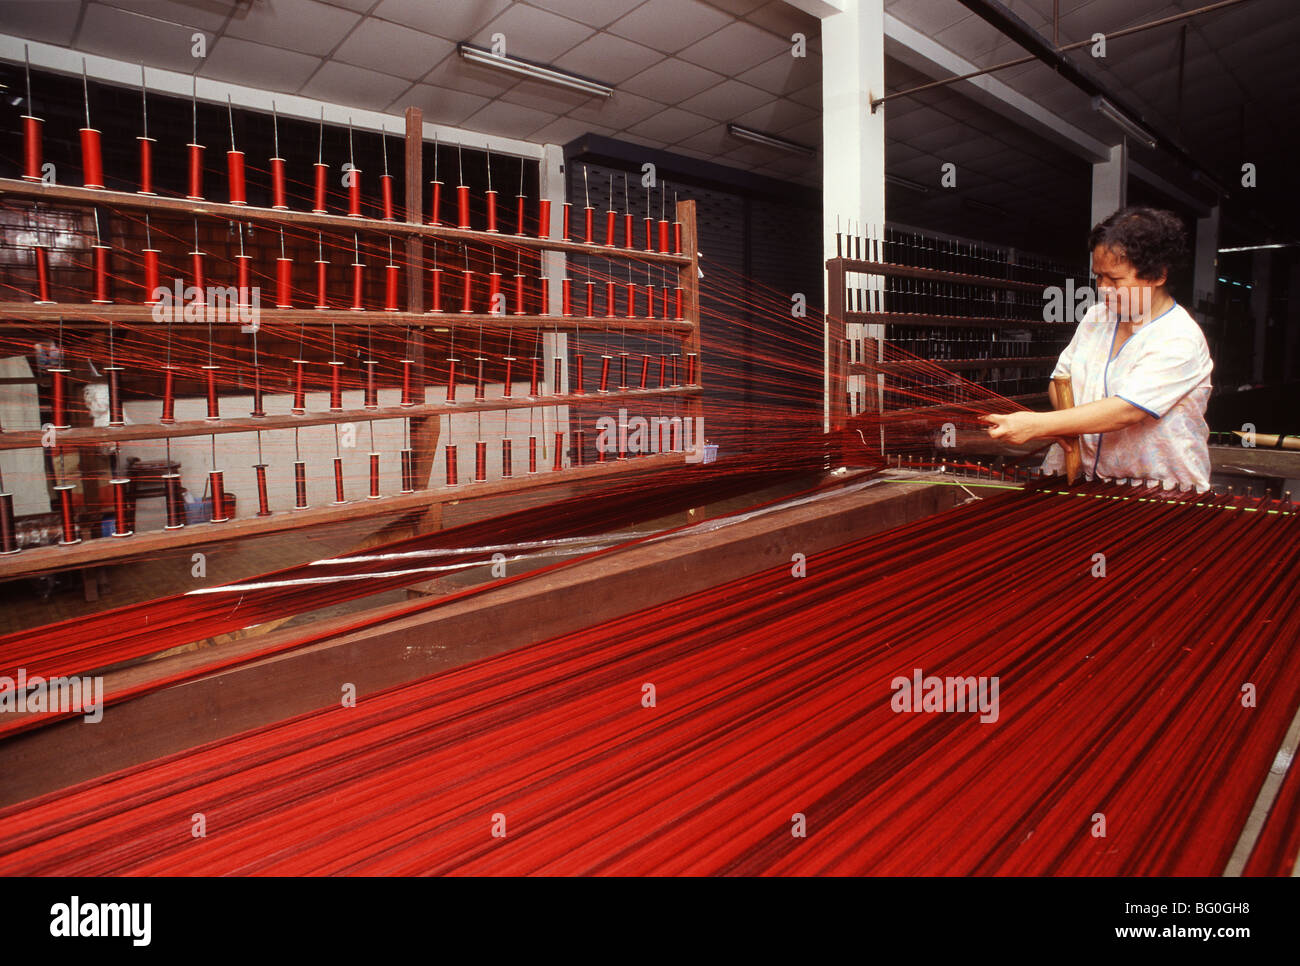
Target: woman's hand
x: 1014, y: 428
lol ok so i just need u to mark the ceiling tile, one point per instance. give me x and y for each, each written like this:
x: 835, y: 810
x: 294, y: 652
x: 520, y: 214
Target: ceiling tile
x: 672, y: 81
x: 736, y: 48
x: 565, y: 129
x: 205, y: 16
x: 547, y: 97
x: 533, y: 34
x: 131, y: 37
x: 455, y: 73
x: 609, y: 59
x: 360, y: 6
x: 784, y: 20
x: 620, y: 111
x: 594, y: 14
x: 775, y: 116
x: 507, y: 120
x: 243, y: 62
x: 386, y: 47
x: 670, y: 125
x: 713, y: 142
x: 737, y: 8
x: 353, y: 86
x: 809, y: 132
x: 452, y: 21
x: 439, y: 104
x: 302, y: 25
x: 783, y: 73
x: 724, y: 101
x: 810, y: 96
x: 50, y: 21
x: 670, y: 25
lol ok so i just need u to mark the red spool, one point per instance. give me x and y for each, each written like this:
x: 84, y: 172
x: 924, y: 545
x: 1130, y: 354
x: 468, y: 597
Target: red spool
x: 610, y: 290
x: 354, y: 193
x: 196, y: 273
x: 371, y: 399
x: 195, y: 182
x: 42, y: 275
x: 622, y: 370
x: 299, y: 391
x: 408, y: 398
x: 496, y: 302
x: 435, y: 203
x: 284, y: 283
x: 451, y: 465
x: 650, y: 301
x: 480, y: 462
x: 627, y: 230
x: 480, y: 387
x: 101, y: 275
x: 664, y: 304
x: 318, y: 202
x: 663, y: 236
x: 338, y: 481
x: 564, y: 222
x: 65, y: 514
x: 263, y: 504
x: 604, y: 373
x: 507, y: 387
x: 114, y: 396
x: 386, y: 196
x: 214, y: 403
x: 677, y: 299
x: 677, y: 238
x: 358, y: 287
x: 590, y: 219
x: 507, y: 469
x: 649, y: 234
x: 146, y: 165
x: 611, y: 222
x: 435, y: 290
x: 174, y: 501
x: 462, y: 206
x: 645, y: 370
x: 32, y: 127
x: 467, y: 291
x: 558, y: 462
x: 336, y: 386
x: 543, y: 218
x: 691, y: 360
x: 520, y: 307
x: 408, y: 471
x: 520, y: 207
x: 242, y: 286
x: 92, y: 159
x: 216, y: 478
x: 674, y: 358
x: 532, y: 454
x: 258, y: 411
x: 631, y: 300
x: 566, y: 297
x: 591, y: 299
x: 391, y: 274
x: 169, y: 395
x: 577, y: 387
x: 8, y: 535
x: 544, y: 295
x: 235, y: 171
x: 663, y: 369
x: 300, y: 485
x: 556, y: 381
x: 322, y: 287
x: 451, y: 379
x: 151, y: 284
x: 59, y: 393
x: 532, y: 376
x: 279, y: 197
x: 374, y: 476
x: 491, y: 197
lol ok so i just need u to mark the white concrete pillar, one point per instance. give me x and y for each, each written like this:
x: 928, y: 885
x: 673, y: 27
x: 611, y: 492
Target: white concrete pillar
x: 1110, y: 183
x: 1205, y: 270
x: 853, y: 138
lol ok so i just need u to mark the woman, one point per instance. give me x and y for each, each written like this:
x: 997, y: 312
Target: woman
x: 1138, y: 364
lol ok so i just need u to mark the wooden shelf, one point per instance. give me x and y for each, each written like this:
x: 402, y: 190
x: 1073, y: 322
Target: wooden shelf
x: 952, y: 365
x: 957, y: 321
x: 862, y: 267
x: 11, y: 188
x: 91, y: 435
x: 35, y: 560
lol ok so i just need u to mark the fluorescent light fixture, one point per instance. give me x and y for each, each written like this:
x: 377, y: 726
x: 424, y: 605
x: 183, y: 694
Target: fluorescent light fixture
x: 1257, y: 248
x: 770, y: 140
x: 531, y: 71
x: 906, y: 183
x: 1126, y: 124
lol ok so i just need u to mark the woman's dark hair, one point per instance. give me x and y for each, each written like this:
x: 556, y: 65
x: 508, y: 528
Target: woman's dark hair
x: 1149, y: 239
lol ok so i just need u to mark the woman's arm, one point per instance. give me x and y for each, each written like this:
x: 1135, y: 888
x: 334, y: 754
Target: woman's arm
x: 1103, y: 416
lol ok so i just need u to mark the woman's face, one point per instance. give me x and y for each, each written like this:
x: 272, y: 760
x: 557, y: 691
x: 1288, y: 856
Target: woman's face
x: 1125, y: 295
